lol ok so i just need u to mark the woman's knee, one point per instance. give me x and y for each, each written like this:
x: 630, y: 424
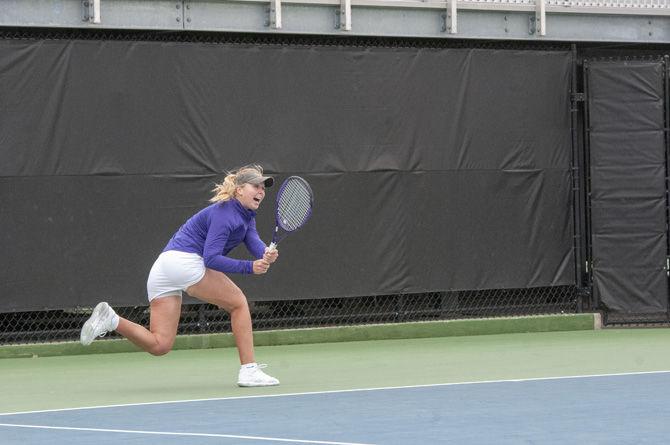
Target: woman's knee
x: 161, y: 347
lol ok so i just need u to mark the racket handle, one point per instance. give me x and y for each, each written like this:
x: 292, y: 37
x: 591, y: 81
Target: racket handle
x: 272, y: 245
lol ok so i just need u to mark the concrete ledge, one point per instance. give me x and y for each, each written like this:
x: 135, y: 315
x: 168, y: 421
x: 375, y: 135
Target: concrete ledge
x: 443, y: 328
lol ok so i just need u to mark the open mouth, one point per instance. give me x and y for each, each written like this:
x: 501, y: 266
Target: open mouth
x: 258, y: 200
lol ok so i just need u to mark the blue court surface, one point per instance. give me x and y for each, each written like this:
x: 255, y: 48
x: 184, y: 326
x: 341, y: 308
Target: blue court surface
x: 605, y: 409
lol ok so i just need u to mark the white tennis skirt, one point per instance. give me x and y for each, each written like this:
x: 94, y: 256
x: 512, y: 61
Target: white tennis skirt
x: 173, y: 272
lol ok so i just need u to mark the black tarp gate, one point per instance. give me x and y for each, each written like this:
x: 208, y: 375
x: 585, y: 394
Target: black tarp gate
x: 628, y: 185
x: 433, y: 169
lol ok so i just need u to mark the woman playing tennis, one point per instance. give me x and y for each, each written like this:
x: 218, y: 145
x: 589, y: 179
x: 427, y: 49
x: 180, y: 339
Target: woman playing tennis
x: 195, y: 261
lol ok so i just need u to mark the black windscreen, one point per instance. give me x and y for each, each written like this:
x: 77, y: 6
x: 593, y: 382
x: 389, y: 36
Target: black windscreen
x: 433, y: 169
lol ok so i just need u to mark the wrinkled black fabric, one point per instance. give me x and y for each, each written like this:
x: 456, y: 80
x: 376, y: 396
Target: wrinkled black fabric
x: 628, y: 203
x: 433, y: 169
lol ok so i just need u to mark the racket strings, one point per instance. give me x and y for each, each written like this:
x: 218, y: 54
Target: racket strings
x: 294, y: 206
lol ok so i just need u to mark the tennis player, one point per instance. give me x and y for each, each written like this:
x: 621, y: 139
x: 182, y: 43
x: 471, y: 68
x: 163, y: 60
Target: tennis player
x: 195, y: 261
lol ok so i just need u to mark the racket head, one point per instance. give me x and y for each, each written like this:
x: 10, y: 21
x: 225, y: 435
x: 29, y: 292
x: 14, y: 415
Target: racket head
x: 293, y: 206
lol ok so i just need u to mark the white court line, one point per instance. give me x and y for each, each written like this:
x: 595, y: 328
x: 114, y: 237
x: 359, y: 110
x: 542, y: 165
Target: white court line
x: 167, y: 433
x: 337, y: 391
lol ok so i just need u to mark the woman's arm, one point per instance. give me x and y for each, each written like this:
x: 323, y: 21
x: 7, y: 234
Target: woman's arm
x: 216, y: 240
x: 253, y: 242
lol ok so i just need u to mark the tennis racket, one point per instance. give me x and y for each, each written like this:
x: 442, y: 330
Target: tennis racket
x: 293, y: 208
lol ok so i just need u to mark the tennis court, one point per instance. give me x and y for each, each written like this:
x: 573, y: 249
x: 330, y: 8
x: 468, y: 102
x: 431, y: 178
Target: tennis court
x: 492, y: 167
x: 603, y: 386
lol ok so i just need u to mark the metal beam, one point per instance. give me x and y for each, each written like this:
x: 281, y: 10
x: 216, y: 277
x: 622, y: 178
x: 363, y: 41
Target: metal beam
x: 345, y: 15
x: 451, y: 17
x: 540, y: 17
x: 275, y: 14
x: 91, y: 10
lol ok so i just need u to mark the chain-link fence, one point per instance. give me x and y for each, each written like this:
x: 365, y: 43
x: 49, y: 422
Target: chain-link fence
x: 64, y: 325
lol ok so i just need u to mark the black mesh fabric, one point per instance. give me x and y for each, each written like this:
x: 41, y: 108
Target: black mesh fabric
x: 270, y: 39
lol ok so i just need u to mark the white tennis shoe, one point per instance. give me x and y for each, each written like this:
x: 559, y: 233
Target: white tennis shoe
x: 251, y: 375
x: 102, y: 320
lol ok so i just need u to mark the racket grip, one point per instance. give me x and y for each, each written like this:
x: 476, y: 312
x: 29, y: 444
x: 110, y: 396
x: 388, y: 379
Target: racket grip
x: 272, y: 245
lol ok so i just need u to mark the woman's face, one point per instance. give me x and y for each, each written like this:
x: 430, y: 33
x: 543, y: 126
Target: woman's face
x: 251, y: 195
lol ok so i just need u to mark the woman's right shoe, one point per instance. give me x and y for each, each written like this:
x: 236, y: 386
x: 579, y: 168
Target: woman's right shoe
x: 99, y: 323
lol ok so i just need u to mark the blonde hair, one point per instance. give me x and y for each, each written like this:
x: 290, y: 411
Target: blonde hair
x: 225, y: 191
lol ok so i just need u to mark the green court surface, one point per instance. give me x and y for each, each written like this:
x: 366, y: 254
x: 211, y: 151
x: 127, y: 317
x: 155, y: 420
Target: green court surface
x: 28, y: 384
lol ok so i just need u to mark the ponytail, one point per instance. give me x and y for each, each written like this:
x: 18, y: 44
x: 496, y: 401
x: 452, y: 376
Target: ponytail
x: 225, y: 191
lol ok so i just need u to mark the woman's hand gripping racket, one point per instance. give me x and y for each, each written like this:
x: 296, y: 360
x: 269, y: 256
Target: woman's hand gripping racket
x: 293, y: 208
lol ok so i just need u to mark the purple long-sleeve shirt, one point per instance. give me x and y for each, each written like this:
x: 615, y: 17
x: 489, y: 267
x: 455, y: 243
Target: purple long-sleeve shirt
x: 216, y: 230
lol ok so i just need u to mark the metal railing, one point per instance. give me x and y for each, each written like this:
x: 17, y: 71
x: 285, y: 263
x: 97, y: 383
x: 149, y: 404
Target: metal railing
x: 556, y: 19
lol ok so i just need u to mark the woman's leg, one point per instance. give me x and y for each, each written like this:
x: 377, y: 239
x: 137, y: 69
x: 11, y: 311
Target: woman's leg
x: 216, y: 288
x: 159, y: 338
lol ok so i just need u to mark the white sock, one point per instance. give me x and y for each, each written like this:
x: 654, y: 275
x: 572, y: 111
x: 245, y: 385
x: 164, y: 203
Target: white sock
x: 115, y: 321
x: 249, y: 365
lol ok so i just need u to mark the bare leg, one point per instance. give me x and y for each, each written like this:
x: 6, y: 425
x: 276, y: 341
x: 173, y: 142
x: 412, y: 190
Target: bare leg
x: 159, y: 338
x: 216, y: 288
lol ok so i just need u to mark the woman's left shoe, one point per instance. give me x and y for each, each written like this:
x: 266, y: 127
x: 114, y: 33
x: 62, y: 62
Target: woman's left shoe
x: 251, y: 375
